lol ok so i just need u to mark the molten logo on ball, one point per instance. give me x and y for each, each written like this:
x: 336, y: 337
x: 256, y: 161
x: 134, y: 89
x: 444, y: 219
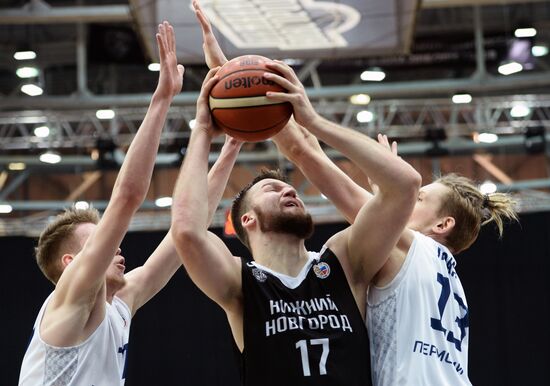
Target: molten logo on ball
x: 247, y: 82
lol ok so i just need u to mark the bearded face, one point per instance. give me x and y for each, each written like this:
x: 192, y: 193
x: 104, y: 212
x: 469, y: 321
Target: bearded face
x: 299, y: 224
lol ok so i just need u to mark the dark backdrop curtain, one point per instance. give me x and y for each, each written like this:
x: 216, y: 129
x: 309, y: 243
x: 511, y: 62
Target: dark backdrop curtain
x: 182, y: 338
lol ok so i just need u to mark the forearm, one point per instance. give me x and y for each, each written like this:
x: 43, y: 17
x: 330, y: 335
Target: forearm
x: 389, y: 172
x: 136, y: 171
x: 189, y: 211
x: 219, y: 175
x: 337, y: 186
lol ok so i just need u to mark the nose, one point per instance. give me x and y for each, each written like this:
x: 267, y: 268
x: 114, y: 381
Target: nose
x: 118, y: 251
x: 289, y: 191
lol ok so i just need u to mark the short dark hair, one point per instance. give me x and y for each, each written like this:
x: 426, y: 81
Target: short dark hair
x: 240, y: 206
x: 56, y: 233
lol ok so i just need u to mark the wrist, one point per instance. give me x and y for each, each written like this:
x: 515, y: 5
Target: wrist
x: 315, y: 122
x: 161, y: 97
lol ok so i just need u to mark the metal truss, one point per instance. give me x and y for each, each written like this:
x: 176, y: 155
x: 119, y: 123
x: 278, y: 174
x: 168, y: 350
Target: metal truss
x: 157, y: 219
x: 401, y: 119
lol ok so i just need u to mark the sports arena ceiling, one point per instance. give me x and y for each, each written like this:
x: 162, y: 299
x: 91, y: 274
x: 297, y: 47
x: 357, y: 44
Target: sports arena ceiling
x: 94, y: 55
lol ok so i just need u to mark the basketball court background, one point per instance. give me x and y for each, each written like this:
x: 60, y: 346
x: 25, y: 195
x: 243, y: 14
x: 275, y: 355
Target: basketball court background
x: 444, y: 96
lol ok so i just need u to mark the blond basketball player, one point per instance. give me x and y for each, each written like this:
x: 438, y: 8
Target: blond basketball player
x: 417, y: 313
x: 80, y: 336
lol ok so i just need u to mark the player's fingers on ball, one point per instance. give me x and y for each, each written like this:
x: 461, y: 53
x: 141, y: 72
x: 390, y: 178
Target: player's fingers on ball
x: 285, y: 70
x: 279, y: 96
x: 283, y: 82
x: 210, y: 74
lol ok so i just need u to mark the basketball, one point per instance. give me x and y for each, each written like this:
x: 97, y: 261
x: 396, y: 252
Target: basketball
x: 238, y: 102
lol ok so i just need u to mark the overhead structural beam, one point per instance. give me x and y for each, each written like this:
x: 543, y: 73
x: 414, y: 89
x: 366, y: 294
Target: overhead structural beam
x: 60, y: 15
x: 89, y: 180
x: 543, y: 183
x: 511, y: 143
x: 15, y: 183
x: 430, y: 88
x: 485, y: 162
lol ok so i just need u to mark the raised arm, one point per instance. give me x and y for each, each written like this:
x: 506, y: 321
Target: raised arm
x: 302, y: 148
x: 145, y: 282
x: 207, y: 260
x: 213, y: 53
x: 77, y: 292
x: 382, y: 219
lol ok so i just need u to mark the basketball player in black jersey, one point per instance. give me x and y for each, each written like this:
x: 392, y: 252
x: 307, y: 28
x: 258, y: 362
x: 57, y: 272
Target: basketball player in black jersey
x: 297, y: 316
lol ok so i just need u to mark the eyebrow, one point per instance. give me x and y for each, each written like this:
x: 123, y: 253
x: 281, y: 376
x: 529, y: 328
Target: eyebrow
x: 275, y: 184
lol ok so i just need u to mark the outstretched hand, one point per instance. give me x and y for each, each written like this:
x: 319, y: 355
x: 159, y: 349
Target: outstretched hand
x: 171, y: 73
x: 213, y: 54
x: 304, y: 113
x: 203, y: 120
x: 383, y: 140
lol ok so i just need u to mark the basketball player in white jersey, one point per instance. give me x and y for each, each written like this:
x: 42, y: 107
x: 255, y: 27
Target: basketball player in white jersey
x: 80, y: 336
x: 417, y: 314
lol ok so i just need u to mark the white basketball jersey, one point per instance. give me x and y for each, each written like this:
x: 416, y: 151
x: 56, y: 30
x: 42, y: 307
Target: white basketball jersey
x: 418, y: 324
x: 99, y: 361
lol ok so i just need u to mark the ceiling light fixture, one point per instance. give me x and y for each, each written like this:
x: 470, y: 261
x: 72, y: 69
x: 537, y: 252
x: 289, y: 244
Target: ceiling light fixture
x: 373, y: 75
x: 163, y: 202
x: 5, y: 208
x: 520, y: 110
x: 24, y: 55
x: 50, y: 157
x: 105, y: 114
x: 525, y: 32
x: 27, y: 72
x: 365, y: 116
x: 462, y: 98
x: 510, y: 68
x: 16, y: 166
x: 360, y: 99
x: 82, y: 205
x: 42, y: 131
x: 488, y: 187
x: 32, y: 89
x: 154, y: 67
x: 487, y: 137
x: 539, y: 50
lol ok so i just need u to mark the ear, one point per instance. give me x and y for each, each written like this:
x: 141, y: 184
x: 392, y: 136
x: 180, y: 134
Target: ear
x: 66, y: 259
x: 444, y: 226
x: 247, y: 220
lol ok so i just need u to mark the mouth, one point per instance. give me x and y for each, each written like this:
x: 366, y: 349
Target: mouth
x: 122, y: 267
x: 291, y: 204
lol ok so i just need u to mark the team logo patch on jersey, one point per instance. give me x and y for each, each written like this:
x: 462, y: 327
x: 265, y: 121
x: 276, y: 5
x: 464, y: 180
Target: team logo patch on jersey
x: 259, y: 275
x: 322, y: 270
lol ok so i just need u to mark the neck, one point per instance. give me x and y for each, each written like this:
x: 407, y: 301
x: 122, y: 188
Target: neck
x: 280, y: 252
x: 110, y: 290
x: 437, y: 237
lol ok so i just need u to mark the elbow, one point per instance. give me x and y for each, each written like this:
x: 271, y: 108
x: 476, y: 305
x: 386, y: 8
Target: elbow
x: 128, y: 197
x: 415, y: 180
x: 184, y: 234
x: 409, y: 186
x: 413, y: 184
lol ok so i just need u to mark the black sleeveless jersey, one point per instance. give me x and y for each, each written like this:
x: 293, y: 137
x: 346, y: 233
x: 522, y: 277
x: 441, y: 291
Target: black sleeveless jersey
x: 305, y: 330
